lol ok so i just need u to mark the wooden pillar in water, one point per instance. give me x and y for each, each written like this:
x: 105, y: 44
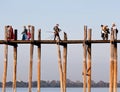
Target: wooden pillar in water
x: 111, y: 61
x: 31, y: 59
x: 64, y: 62
x: 5, y: 63
x: 60, y: 67
x: 15, y: 63
x: 39, y: 62
x: 84, y: 60
x: 115, y: 63
x: 89, y: 61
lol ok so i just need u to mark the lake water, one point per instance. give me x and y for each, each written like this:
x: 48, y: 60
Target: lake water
x: 58, y: 90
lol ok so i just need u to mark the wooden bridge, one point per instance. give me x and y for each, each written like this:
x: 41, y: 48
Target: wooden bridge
x: 62, y: 63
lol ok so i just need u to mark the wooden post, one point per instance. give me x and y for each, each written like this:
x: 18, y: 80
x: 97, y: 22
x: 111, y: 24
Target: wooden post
x: 64, y: 62
x: 84, y: 60
x: 60, y: 68
x: 31, y: 59
x: 15, y: 64
x: 5, y: 63
x: 111, y: 61
x: 89, y: 60
x: 39, y: 62
x: 115, y: 63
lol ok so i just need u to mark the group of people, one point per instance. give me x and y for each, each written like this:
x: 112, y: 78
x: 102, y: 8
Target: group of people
x: 105, y: 31
x: 26, y: 34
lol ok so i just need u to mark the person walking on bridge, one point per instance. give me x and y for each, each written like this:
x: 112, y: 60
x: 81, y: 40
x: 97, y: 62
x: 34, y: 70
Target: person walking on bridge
x: 114, y: 28
x: 24, y: 33
x: 104, y: 32
x: 56, y: 31
x: 10, y: 34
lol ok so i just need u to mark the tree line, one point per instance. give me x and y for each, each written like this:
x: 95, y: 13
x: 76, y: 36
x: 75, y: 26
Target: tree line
x: 56, y: 83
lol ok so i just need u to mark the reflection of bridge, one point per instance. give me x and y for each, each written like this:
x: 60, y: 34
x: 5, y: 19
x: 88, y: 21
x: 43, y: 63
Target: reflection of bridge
x: 62, y: 63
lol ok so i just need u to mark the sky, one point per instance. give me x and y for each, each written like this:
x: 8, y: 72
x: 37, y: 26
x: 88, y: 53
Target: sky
x: 71, y: 15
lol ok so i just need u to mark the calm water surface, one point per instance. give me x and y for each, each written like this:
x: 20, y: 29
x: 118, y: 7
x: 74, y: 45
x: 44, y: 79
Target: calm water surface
x: 58, y: 90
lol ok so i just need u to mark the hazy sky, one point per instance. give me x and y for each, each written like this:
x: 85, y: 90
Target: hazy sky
x: 71, y: 15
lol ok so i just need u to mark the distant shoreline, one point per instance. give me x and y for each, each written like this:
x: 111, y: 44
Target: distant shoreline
x: 56, y: 84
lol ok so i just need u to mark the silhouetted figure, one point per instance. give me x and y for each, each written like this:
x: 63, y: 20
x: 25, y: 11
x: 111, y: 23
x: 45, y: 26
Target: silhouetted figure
x: 10, y: 34
x: 114, y: 28
x: 29, y: 32
x: 104, y: 32
x: 24, y: 33
x: 56, y: 31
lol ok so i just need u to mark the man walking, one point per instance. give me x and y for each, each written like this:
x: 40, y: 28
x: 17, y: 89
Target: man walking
x: 56, y: 31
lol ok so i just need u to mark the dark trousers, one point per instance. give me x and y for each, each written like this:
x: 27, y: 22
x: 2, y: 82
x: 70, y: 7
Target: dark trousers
x: 57, y: 35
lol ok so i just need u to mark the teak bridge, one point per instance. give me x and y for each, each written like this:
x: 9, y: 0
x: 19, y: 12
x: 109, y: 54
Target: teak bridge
x: 87, y: 42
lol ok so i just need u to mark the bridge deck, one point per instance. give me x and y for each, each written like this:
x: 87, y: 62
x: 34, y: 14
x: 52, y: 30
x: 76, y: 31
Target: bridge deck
x: 54, y: 42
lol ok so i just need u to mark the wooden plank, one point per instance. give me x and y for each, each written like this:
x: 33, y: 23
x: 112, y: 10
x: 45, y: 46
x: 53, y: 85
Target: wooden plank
x: 54, y: 42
